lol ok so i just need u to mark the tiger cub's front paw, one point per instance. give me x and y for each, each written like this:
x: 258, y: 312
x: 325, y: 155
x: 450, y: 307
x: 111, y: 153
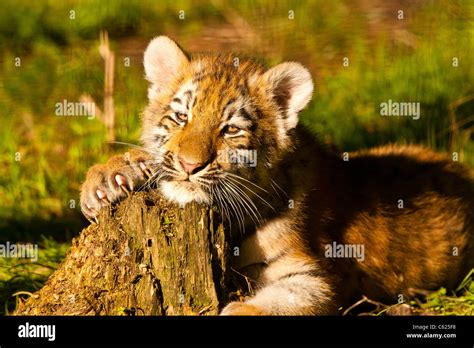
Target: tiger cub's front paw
x: 109, y: 183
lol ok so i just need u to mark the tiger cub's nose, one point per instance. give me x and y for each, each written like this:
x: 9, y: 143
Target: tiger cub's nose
x: 190, y: 168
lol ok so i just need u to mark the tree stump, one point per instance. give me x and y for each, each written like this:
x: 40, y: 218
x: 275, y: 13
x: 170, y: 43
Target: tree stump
x: 144, y: 257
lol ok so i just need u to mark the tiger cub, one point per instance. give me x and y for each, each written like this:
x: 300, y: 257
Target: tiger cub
x: 320, y: 230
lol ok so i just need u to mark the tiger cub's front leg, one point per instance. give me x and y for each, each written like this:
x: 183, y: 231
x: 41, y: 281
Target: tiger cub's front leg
x: 291, y: 283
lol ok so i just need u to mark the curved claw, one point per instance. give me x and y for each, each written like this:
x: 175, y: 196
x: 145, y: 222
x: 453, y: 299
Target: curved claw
x: 122, y: 182
x: 126, y: 190
x: 103, y: 197
x: 91, y: 220
x: 145, y: 170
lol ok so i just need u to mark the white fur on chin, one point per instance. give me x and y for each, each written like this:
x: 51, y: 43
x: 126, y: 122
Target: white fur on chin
x: 183, y: 192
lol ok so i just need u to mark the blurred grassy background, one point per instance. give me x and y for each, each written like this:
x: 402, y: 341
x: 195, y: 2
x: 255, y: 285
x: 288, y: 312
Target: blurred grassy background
x: 407, y: 60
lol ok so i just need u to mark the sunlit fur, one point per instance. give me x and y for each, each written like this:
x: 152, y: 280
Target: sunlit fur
x: 224, y: 132
x: 214, y: 93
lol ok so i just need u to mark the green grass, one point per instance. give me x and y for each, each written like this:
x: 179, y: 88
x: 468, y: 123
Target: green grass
x: 25, y: 276
x: 440, y: 302
x: 409, y: 60
x: 459, y: 302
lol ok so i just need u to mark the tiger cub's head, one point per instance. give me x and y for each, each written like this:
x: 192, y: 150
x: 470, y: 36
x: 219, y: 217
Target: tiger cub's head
x: 216, y: 123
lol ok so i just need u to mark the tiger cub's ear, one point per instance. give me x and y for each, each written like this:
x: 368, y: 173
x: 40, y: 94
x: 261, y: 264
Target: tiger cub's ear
x: 163, y: 61
x: 291, y: 87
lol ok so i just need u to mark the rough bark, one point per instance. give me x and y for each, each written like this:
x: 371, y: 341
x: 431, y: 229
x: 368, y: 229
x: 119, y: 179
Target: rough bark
x: 144, y: 257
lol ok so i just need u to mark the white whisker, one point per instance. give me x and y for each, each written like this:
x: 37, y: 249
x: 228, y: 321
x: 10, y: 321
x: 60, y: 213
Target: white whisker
x: 248, y: 188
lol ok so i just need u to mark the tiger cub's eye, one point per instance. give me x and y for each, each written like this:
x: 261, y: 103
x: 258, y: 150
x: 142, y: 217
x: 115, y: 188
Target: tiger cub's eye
x: 232, y: 130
